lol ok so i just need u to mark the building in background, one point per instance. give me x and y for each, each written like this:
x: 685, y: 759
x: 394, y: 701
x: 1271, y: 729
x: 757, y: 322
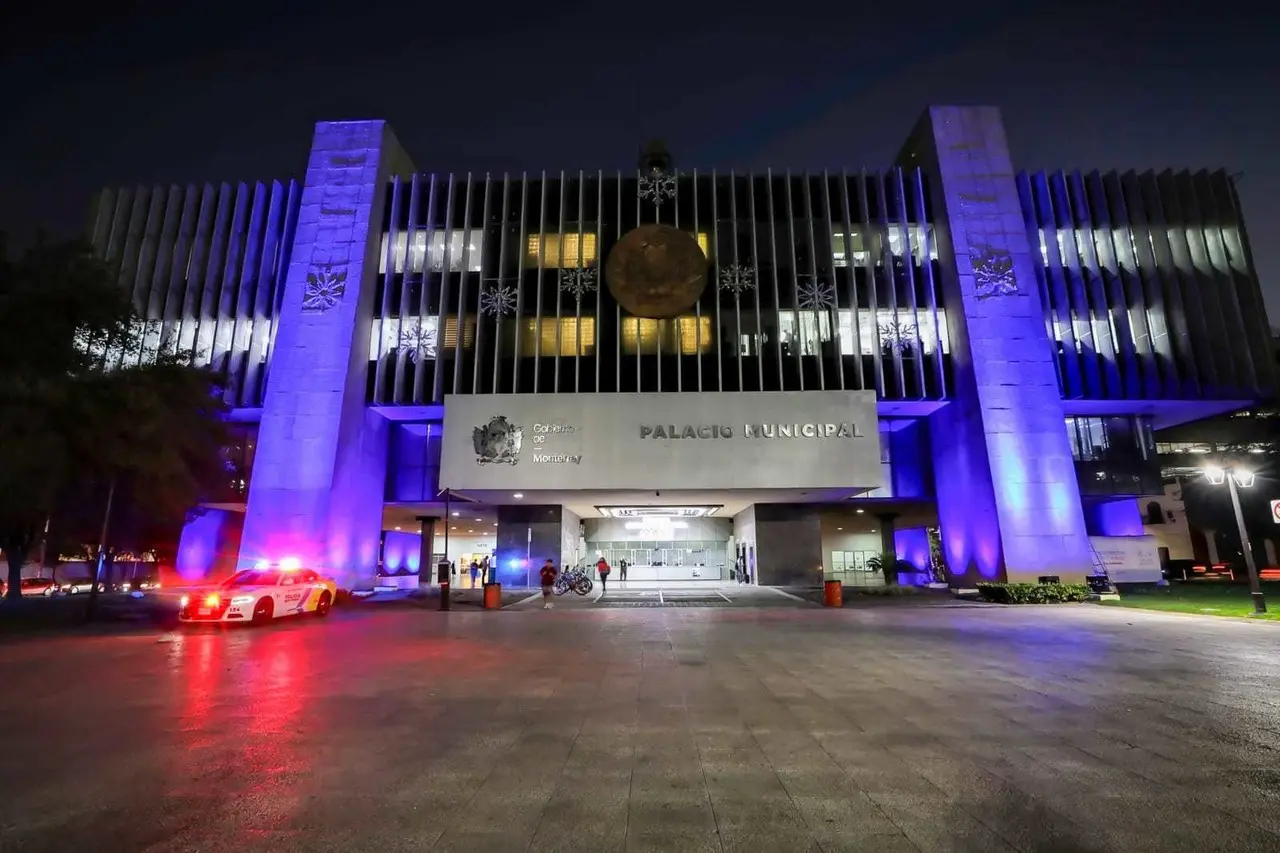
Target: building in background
x: 1251, y: 438
x: 775, y: 376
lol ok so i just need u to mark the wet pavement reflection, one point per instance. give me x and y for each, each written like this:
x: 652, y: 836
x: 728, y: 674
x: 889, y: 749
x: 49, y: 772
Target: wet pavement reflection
x: 772, y: 729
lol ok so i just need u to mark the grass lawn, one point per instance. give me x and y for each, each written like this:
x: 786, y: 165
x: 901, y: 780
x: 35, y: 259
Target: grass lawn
x: 1207, y: 598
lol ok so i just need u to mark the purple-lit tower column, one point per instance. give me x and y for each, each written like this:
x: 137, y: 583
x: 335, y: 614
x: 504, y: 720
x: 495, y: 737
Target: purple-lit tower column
x: 319, y: 474
x: 1008, y: 501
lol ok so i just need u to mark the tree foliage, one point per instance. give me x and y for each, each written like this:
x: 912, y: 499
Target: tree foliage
x: 92, y: 401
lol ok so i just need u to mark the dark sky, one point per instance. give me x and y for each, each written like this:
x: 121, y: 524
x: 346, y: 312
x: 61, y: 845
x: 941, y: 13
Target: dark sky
x: 160, y: 92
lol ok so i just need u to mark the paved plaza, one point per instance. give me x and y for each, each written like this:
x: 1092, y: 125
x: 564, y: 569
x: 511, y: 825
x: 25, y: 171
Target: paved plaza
x: 886, y: 727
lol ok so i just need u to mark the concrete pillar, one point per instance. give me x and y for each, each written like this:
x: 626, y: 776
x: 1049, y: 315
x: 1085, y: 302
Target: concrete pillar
x: 208, y: 546
x: 318, y: 480
x: 1211, y: 543
x: 426, y: 545
x: 527, y: 535
x: 1008, y: 500
x: 788, y: 545
x: 1269, y: 545
x: 885, y: 525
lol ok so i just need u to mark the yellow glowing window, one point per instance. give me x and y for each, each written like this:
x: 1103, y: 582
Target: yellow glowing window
x: 561, y: 251
x: 687, y: 335
x: 569, y: 336
x: 451, y: 332
x: 573, y: 250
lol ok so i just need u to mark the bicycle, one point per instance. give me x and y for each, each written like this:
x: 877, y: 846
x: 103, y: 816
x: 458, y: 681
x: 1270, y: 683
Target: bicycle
x: 573, y: 579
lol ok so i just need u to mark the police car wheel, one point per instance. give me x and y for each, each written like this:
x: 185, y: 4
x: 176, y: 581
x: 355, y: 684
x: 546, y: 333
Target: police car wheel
x: 262, y: 611
x: 323, y: 605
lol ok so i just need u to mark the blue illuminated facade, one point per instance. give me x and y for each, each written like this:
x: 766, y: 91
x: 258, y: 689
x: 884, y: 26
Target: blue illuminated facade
x: 1025, y: 333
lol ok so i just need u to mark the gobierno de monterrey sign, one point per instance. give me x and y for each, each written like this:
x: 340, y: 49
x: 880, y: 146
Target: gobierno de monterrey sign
x: 749, y: 440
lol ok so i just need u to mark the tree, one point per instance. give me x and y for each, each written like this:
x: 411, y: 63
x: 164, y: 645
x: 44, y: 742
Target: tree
x: 91, y: 407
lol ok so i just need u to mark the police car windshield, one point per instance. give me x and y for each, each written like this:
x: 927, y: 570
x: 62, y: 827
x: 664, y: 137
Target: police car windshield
x: 254, y: 578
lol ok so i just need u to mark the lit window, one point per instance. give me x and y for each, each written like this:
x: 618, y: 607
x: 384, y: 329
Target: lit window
x: 567, y: 251
x: 687, y: 335
x: 465, y: 251
x: 573, y: 250
x: 568, y: 336
x: 892, y: 235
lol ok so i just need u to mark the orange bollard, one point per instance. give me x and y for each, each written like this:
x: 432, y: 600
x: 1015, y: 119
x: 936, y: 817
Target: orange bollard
x: 492, y: 596
x: 832, y: 594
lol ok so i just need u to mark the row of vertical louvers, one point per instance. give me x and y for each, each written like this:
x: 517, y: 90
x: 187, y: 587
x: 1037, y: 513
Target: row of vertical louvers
x: 496, y: 284
x: 1148, y: 285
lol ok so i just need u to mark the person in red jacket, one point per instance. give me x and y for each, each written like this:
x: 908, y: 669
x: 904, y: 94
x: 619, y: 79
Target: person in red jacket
x: 547, y: 575
x: 602, y: 568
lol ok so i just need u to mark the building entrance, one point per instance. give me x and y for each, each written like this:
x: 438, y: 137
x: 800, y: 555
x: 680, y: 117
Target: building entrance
x: 661, y: 546
x: 665, y: 561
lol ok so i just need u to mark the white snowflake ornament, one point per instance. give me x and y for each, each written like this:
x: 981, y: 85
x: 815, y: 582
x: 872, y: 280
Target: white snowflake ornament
x: 816, y: 294
x: 578, y: 282
x: 737, y: 278
x: 657, y: 186
x: 498, y: 300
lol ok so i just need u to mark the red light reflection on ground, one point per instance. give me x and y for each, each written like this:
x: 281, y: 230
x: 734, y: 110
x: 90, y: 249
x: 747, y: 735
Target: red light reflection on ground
x: 244, y: 738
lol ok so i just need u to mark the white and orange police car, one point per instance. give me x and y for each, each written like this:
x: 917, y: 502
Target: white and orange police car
x: 261, y: 594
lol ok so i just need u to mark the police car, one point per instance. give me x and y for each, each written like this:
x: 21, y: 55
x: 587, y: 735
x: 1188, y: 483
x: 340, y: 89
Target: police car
x: 261, y: 594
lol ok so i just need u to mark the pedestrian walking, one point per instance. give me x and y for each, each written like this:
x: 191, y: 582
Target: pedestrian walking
x: 602, y: 568
x: 547, y: 576
x: 475, y: 573
x: 622, y: 570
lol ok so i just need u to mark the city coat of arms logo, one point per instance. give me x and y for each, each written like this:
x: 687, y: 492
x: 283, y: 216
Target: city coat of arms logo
x: 498, y: 441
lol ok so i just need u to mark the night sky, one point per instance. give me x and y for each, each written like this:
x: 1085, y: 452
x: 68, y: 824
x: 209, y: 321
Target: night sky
x: 229, y: 91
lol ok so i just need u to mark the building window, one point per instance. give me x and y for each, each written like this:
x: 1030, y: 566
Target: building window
x: 841, y: 250
x: 1165, y: 447
x: 876, y: 330
x: 687, y: 335
x: 1088, y: 439
x: 561, y: 251
x: 419, y: 338
x: 465, y: 251
x: 573, y: 250
x: 567, y: 336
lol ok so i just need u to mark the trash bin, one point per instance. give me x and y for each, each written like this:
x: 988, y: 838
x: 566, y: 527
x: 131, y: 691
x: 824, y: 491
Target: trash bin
x: 442, y: 572
x: 492, y: 596
x: 832, y: 594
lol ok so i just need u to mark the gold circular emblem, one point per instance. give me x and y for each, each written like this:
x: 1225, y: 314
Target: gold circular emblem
x: 656, y: 271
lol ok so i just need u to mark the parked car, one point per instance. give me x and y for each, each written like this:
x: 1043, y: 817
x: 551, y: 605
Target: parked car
x: 33, y: 586
x: 262, y: 594
x: 81, y: 585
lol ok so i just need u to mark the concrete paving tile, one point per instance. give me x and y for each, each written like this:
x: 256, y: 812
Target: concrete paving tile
x: 481, y: 842
x: 667, y: 841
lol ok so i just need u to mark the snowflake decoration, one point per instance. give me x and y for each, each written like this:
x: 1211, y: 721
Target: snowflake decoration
x: 737, y: 278
x: 657, y: 186
x: 579, y: 282
x: 992, y: 271
x: 325, y: 288
x: 497, y: 300
x: 418, y: 340
x: 898, y: 335
x: 816, y: 294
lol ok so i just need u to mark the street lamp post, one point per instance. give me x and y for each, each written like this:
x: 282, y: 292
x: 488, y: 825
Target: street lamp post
x: 1244, y: 479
